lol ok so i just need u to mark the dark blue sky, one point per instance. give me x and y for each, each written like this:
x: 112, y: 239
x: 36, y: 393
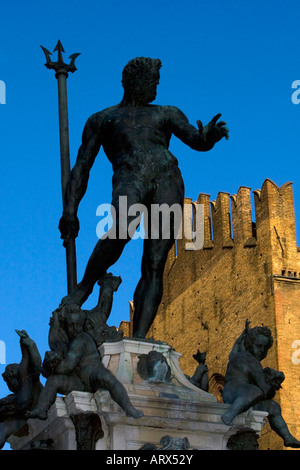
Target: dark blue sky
x: 236, y: 57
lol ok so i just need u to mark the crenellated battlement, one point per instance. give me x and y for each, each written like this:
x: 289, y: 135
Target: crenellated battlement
x: 248, y: 268
x: 244, y: 229
x: 234, y: 221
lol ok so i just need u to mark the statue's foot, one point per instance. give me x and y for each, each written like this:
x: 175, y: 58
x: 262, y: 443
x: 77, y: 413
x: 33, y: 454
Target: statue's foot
x: 36, y: 413
x: 110, y: 281
x: 139, y: 335
x: 292, y: 442
x: 226, y: 420
x: 132, y: 412
x: 77, y: 297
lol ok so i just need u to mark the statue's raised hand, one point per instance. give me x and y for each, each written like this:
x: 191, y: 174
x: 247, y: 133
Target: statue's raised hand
x: 214, y: 131
x: 25, y: 339
x: 69, y: 227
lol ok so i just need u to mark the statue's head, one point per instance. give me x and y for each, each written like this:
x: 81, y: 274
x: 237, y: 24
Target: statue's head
x: 10, y: 376
x: 258, y: 341
x: 74, y: 319
x: 140, y: 79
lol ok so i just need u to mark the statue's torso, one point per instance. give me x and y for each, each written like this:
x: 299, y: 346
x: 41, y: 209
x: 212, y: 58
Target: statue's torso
x: 137, y: 138
x: 242, y: 368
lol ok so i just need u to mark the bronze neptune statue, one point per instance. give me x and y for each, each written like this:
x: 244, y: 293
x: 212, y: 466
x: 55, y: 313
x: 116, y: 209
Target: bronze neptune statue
x: 135, y: 136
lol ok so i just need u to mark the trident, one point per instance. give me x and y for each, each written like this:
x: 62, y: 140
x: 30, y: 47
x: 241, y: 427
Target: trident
x: 61, y: 74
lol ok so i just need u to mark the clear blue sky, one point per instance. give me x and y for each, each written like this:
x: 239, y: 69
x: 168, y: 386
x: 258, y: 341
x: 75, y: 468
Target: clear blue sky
x: 236, y: 57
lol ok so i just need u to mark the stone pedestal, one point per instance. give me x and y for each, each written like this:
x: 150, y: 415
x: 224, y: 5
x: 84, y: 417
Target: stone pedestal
x: 172, y: 406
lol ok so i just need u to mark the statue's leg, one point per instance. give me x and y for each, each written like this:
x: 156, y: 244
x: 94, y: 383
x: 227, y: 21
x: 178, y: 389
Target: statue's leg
x: 149, y: 291
x: 55, y: 384
x: 110, y: 247
x: 103, y: 378
x: 47, y: 397
x: 106, y: 253
x: 277, y: 423
x: 246, y: 395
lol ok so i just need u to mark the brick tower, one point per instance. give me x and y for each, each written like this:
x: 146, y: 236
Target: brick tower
x: 248, y: 268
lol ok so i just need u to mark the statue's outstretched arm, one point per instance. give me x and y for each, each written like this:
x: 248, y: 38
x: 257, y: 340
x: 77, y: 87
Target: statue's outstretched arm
x: 202, y: 139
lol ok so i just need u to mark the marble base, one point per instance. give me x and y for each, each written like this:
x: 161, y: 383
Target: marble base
x: 175, y: 408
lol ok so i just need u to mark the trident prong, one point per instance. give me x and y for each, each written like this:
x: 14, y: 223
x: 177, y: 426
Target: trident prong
x: 60, y: 65
x: 47, y: 54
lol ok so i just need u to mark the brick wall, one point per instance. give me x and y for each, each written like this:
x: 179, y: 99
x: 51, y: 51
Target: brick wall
x: 248, y: 268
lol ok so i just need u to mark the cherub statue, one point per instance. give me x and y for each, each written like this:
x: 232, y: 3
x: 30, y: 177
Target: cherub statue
x: 76, y: 365
x: 95, y: 323
x: 248, y: 385
x: 23, y: 380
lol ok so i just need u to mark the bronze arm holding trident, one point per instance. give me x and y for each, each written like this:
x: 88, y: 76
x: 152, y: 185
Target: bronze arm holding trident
x: 62, y: 70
